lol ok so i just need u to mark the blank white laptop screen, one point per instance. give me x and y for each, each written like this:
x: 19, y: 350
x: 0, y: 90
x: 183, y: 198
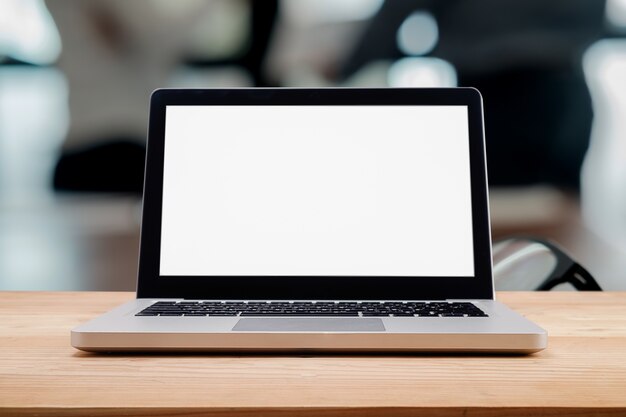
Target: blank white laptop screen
x: 317, y: 190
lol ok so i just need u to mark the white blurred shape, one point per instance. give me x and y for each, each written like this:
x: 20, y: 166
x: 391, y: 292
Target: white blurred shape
x: 33, y: 123
x: 421, y: 72
x: 603, y: 175
x: 418, y: 34
x: 616, y: 13
x: 27, y: 32
x: 311, y: 12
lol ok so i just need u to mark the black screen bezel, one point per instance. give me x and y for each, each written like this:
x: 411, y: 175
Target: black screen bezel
x: 151, y: 285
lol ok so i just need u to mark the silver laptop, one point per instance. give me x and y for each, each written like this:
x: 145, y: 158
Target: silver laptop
x: 314, y: 220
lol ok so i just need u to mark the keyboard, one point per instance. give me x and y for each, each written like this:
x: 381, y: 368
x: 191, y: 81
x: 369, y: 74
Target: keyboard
x: 312, y: 308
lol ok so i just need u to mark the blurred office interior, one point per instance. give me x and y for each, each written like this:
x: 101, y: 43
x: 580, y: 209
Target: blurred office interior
x: 76, y: 75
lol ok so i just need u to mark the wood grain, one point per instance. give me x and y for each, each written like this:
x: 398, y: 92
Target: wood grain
x: 583, y: 371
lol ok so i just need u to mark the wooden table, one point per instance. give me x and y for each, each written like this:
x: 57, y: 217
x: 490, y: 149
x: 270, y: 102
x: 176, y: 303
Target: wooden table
x: 583, y: 371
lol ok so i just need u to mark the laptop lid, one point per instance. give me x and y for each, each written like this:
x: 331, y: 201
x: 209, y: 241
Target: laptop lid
x: 315, y: 194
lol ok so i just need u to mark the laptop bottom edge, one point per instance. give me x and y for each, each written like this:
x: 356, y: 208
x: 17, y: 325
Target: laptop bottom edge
x: 308, y: 342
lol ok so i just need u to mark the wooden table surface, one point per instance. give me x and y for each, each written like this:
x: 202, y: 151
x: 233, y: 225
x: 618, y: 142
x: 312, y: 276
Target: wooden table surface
x: 583, y: 371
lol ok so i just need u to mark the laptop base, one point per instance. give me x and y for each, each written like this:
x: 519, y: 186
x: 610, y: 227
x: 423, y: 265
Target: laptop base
x: 503, y: 331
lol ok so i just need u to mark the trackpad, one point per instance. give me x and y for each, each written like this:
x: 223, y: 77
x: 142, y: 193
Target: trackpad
x: 306, y: 324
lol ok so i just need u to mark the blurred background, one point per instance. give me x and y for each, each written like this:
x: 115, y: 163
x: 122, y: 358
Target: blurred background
x: 76, y: 75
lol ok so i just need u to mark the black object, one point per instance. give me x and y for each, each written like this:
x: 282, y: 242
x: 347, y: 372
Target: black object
x: 151, y: 284
x: 112, y: 166
x: 310, y: 309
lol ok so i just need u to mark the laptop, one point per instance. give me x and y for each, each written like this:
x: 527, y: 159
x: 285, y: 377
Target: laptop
x: 314, y: 220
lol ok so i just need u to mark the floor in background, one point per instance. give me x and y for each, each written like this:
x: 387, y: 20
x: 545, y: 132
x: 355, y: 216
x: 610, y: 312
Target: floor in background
x: 91, y: 242
x: 70, y: 243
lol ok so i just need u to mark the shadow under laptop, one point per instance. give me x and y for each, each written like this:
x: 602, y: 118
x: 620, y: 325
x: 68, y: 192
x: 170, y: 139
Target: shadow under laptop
x: 295, y: 354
